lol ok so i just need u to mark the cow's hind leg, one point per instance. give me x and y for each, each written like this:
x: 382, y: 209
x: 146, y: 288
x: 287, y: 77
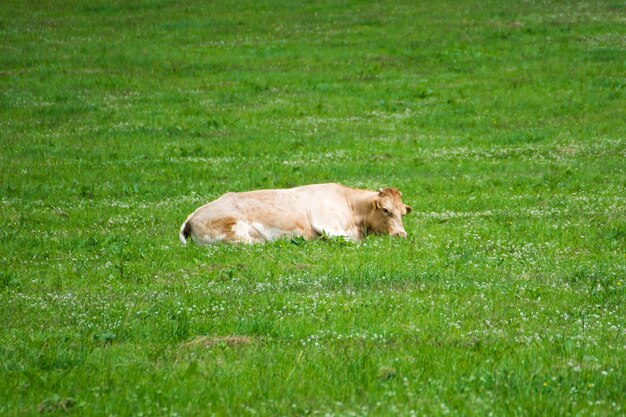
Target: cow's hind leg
x: 223, y: 229
x: 244, y: 232
x: 206, y: 231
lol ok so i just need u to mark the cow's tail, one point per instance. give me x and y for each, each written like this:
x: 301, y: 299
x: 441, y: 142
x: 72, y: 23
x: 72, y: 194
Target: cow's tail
x: 185, y: 231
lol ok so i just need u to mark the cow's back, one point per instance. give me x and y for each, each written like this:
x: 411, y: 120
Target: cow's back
x: 249, y: 217
x: 262, y: 215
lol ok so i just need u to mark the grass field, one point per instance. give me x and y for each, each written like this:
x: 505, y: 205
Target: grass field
x: 502, y: 122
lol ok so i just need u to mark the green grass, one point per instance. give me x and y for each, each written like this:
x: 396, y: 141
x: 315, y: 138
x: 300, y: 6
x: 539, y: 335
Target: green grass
x: 502, y: 123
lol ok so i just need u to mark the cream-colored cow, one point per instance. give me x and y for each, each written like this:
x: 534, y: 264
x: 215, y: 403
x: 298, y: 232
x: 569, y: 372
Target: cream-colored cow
x: 308, y: 211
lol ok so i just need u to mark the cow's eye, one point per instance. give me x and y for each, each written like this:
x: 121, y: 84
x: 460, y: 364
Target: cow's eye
x: 385, y: 211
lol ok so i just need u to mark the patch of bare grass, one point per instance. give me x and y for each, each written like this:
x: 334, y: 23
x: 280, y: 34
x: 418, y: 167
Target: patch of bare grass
x: 212, y: 341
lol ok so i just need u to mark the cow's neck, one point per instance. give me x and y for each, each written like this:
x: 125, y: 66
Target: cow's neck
x: 361, y: 203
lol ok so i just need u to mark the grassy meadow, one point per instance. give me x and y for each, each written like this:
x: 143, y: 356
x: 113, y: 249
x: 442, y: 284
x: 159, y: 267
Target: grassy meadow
x: 502, y: 122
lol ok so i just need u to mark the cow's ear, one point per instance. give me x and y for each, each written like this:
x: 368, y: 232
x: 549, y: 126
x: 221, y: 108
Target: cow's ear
x: 376, y: 203
x: 408, y: 209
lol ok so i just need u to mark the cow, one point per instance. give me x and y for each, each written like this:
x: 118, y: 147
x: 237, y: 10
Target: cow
x: 308, y: 211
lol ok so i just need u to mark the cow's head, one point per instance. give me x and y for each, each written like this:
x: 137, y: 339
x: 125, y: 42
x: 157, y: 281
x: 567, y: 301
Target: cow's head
x: 387, y: 212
